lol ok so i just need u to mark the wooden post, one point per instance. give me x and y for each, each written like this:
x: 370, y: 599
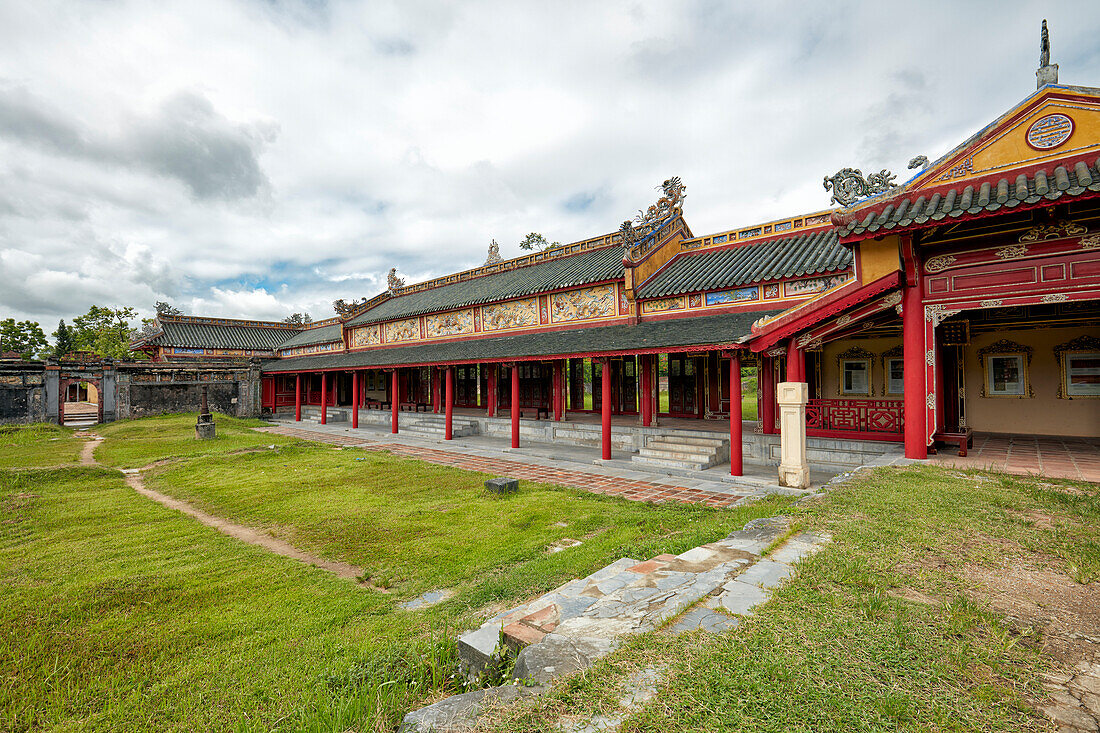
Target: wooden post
x: 435, y: 390
x: 515, y: 406
x: 491, y: 386
x: 298, y: 397
x: 395, y: 400
x: 736, y: 444
x: 450, y: 402
x: 646, y: 368
x: 324, y: 398
x: 354, y: 400
x: 912, y: 335
x: 558, y: 373
x: 796, y: 364
x: 605, y: 406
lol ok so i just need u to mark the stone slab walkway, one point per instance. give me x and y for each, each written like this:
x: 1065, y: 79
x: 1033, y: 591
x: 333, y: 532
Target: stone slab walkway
x: 628, y: 483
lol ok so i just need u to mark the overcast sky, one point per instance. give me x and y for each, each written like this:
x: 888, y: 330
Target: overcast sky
x: 255, y: 158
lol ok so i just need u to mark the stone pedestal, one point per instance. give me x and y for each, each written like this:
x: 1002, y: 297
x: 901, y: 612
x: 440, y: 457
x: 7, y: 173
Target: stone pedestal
x: 794, y: 469
x: 204, y: 428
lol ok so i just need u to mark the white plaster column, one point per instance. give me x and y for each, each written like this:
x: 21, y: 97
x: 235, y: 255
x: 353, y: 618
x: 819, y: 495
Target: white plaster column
x: 794, y: 469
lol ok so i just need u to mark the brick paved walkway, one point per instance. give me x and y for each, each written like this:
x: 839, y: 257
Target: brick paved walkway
x: 633, y: 489
x: 1071, y: 458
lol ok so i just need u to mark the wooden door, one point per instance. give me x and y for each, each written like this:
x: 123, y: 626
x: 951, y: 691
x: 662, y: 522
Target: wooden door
x: 683, y: 385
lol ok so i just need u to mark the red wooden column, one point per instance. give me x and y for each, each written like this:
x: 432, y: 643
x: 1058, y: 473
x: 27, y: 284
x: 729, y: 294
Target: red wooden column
x: 491, y: 386
x: 515, y: 406
x: 766, y: 375
x: 605, y: 406
x: 912, y: 338
x: 796, y: 362
x: 395, y: 400
x: 559, y: 372
x: 354, y: 400
x: 435, y: 390
x: 298, y: 397
x: 324, y: 398
x: 646, y: 367
x: 450, y: 402
x: 736, y: 444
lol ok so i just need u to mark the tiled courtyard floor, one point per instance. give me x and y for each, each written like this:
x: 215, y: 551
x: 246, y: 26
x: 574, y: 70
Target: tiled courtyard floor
x: 1071, y: 458
x: 612, y: 481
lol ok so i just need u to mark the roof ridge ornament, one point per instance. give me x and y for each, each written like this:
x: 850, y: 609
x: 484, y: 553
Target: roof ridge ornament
x: 1047, y: 73
x: 849, y: 186
x: 921, y: 161
x: 393, y: 282
x: 669, y: 204
x: 494, y: 253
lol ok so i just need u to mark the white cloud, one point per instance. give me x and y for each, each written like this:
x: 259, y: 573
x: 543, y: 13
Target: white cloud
x: 255, y: 158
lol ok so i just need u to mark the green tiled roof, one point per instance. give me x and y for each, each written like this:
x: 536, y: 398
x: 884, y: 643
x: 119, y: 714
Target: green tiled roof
x: 802, y: 254
x: 921, y: 207
x: 311, y: 336
x: 605, y: 263
x: 721, y: 329
x: 220, y: 336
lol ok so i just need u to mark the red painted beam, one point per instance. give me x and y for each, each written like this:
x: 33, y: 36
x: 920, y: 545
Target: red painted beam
x: 491, y: 386
x: 912, y: 342
x: 645, y: 364
x: 515, y: 406
x: 354, y: 400
x: 324, y: 399
x: 298, y: 397
x: 766, y: 374
x: 605, y: 408
x: 558, y: 375
x: 736, y: 444
x: 449, y: 403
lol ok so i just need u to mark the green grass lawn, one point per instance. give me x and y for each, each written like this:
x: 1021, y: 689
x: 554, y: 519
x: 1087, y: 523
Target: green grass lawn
x: 120, y: 614
x: 40, y: 444
x: 839, y: 649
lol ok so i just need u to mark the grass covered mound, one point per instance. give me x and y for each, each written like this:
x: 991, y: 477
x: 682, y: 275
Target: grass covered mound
x: 136, y: 443
x: 38, y: 444
x: 916, y: 617
x: 120, y: 614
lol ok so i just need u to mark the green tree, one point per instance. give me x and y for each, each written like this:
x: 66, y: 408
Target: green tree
x: 63, y: 342
x: 105, y: 331
x: 534, y: 240
x: 23, y: 337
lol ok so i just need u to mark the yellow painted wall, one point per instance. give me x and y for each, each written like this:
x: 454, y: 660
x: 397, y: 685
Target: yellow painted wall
x: 658, y: 258
x: 830, y: 371
x: 1043, y: 414
x: 878, y: 258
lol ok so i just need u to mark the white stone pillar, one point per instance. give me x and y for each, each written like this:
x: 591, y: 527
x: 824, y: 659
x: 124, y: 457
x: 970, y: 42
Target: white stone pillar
x: 794, y: 470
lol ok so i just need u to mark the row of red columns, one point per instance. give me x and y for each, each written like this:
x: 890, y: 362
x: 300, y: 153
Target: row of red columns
x: 605, y: 401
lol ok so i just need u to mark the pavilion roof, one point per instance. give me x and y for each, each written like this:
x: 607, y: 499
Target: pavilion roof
x: 220, y: 334
x: 310, y: 336
x: 593, y: 265
x: 806, y: 253
x: 668, y: 334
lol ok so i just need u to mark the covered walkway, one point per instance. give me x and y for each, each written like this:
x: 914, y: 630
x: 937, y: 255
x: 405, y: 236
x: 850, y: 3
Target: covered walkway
x: 1077, y: 459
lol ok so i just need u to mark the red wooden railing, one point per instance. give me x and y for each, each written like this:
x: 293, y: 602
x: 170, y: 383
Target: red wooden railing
x: 861, y: 419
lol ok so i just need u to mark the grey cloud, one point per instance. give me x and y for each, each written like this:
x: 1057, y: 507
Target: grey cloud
x: 185, y: 139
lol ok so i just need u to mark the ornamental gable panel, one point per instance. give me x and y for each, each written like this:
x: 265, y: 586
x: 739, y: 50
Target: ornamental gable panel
x: 455, y: 323
x: 663, y: 305
x: 813, y: 285
x: 510, y: 314
x: 583, y: 304
x: 404, y: 330
x: 366, y: 336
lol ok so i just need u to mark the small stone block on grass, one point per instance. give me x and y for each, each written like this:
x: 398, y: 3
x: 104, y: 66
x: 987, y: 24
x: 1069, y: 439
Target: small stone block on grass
x: 502, y: 485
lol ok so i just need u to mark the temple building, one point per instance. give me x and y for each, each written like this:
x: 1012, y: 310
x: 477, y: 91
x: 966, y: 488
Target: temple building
x: 965, y: 299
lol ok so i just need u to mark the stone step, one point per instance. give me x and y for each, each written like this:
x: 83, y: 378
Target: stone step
x: 438, y: 432
x: 678, y: 454
x: 670, y: 463
x: 666, y: 444
x: 690, y: 440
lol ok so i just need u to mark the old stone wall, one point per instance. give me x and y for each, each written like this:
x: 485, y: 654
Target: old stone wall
x: 157, y: 389
x: 22, y: 392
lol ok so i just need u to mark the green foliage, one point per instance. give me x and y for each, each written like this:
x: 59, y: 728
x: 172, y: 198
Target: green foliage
x: 23, y: 337
x: 63, y: 342
x: 534, y: 240
x: 105, y: 331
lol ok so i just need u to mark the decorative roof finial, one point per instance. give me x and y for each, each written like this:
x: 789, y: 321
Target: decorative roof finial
x: 393, y: 282
x: 849, y: 186
x: 1047, y: 72
x: 494, y: 253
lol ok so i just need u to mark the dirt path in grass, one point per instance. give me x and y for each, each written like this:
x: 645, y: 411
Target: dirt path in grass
x: 241, y: 532
x: 237, y: 531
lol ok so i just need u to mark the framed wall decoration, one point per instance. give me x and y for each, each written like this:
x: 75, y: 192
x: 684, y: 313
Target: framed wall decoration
x: 1005, y: 367
x: 854, y: 367
x: 1079, y: 368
